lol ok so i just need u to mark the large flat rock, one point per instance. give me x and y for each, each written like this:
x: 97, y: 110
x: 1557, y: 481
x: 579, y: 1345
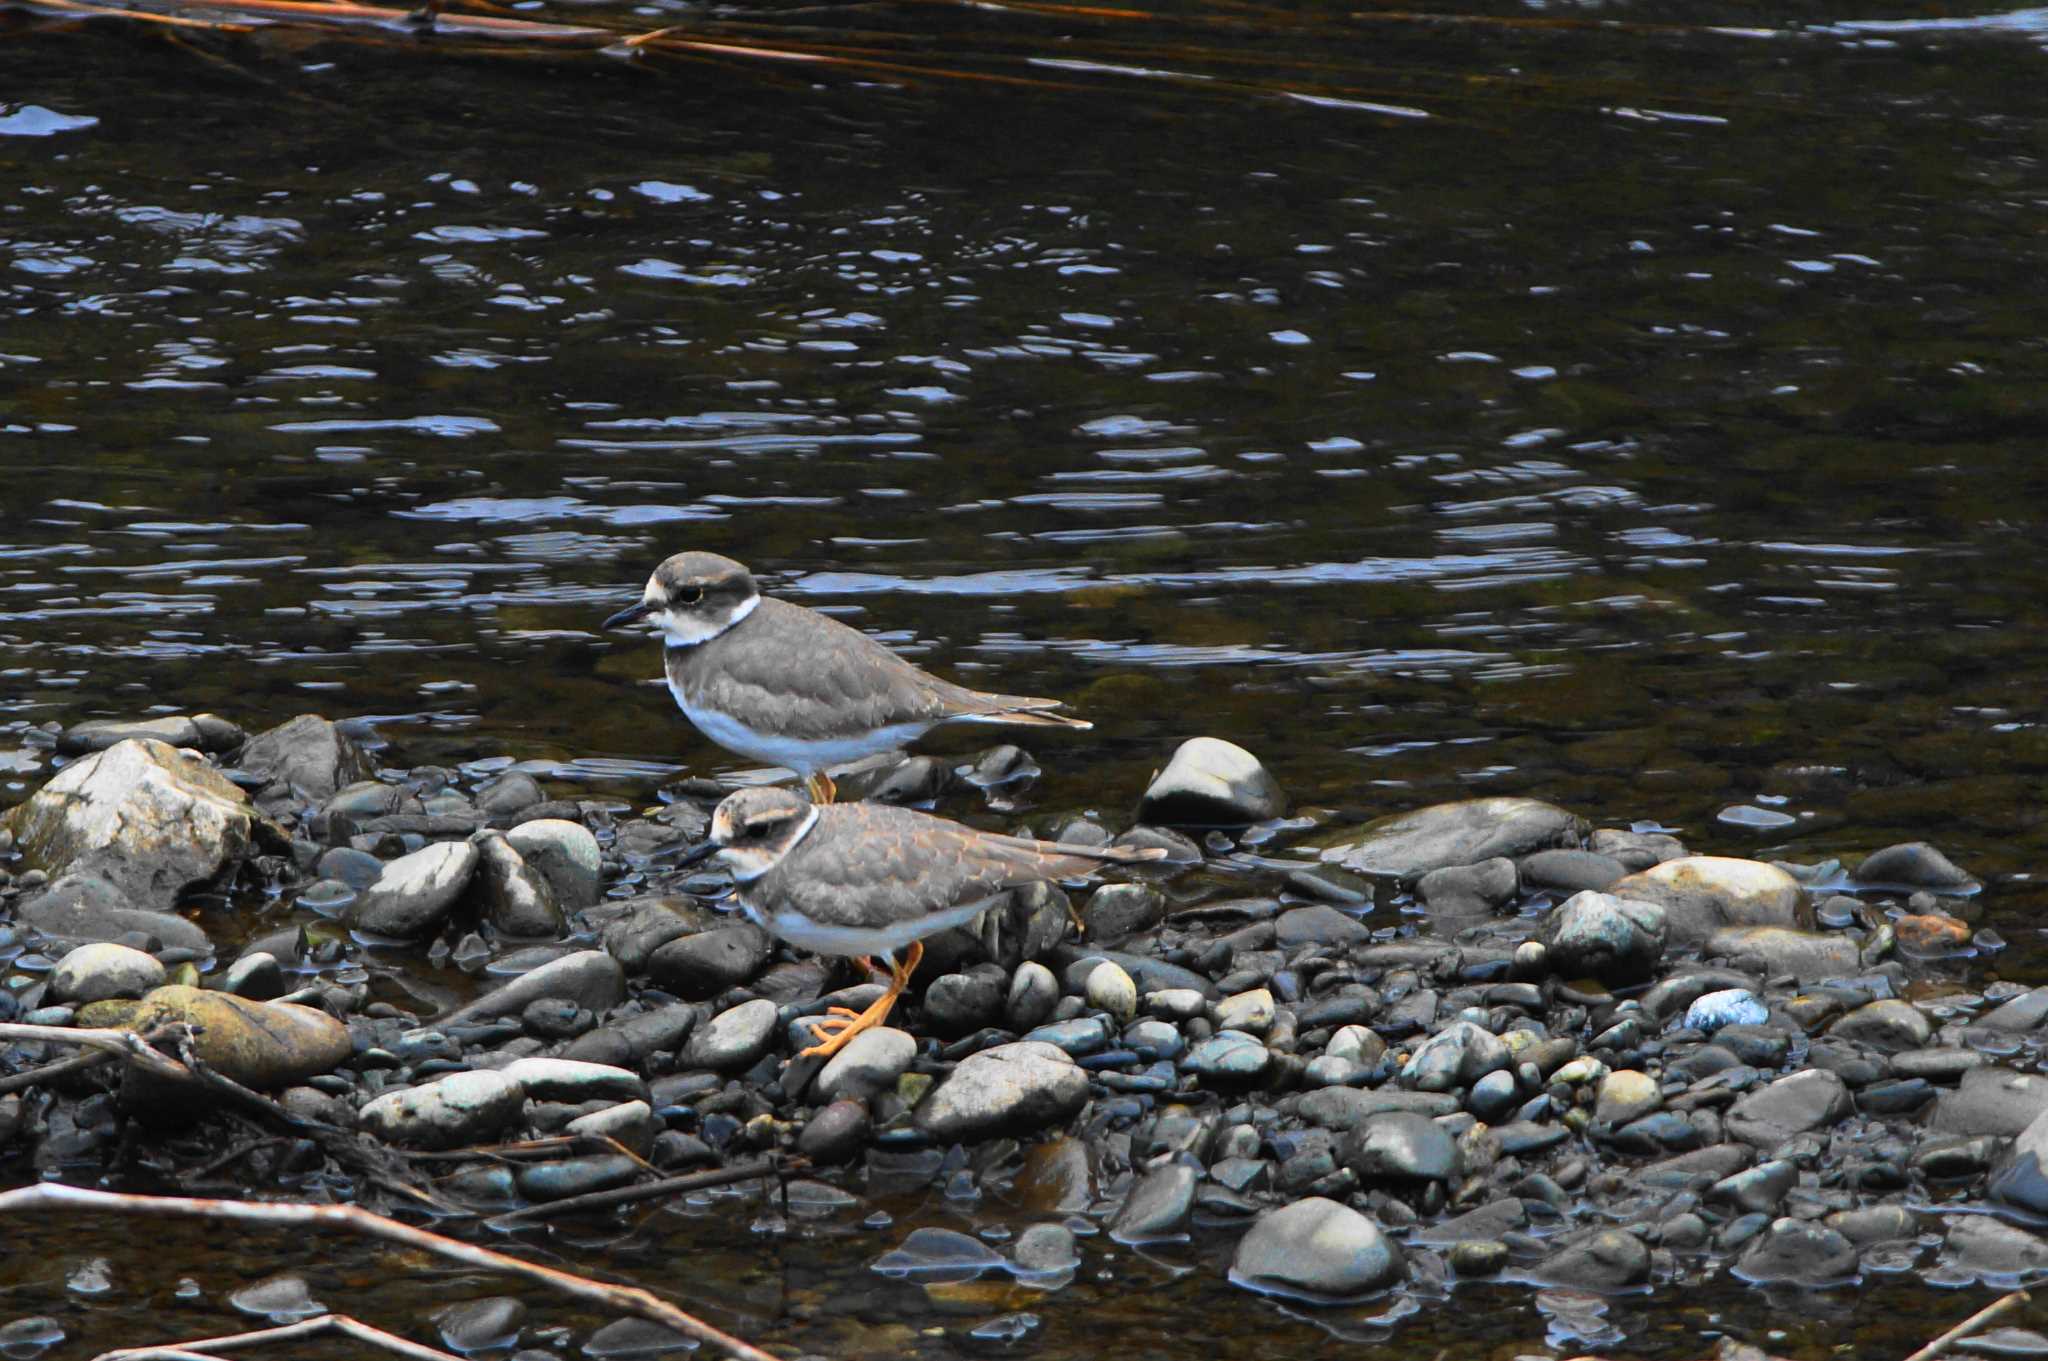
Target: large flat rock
x: 1409, y: 845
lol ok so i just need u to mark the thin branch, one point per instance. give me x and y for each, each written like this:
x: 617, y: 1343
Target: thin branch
x: 52, y: 1196
x: 628, y: 1195
x: 201, y: 1349
x: 120, y: 1043
x: 1971, y: 1325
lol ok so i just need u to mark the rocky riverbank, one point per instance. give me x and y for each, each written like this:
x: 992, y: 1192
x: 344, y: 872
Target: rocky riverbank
x: 1478, y: 1041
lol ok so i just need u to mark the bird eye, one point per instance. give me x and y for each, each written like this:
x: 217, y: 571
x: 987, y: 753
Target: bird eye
x: 690, y: 595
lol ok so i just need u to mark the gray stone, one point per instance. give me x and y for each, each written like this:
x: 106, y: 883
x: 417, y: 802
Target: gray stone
x: 960, y: 1003
x: 2025, y: 1012
x: 560, y: 1178
x: 1605, y: 936
x: 93, y: 973
x: 1493, y: 1098
x: 1158, y: 1207
x: 517, y: 900
x: 460, y: 1109
x: 1319, y: 1251
x: 868, y: 1066
x: 552, y: 1079
x: 416, y: 893
x: 1890, y: 1025
x: 1116, y: 911
x: 1937, y: 1065
x: 79, y: 909
x: 1318, y: 924
x: 1757, y: 1190
x: 308, y: 753
x: 97, y: 734
x: 631, y: 1123
x: 1231, y: 1059
x: 1912, y: 864
x: 566, y: 855
x: 1626, y: 1095
x: 1399, y: 1146
x: 734, y: 1039
x: 1807, y: 955
x: 835, y: 1134
x: 1110, y: 989
x: 1730, y: 1006
x: 257, y: 975
x: 1992, y: 1101
x: 1571, y: 871
x: 1034, y: 992
x: 1344, y: 1108
x: 2019, y: 1179
x: 1797, y: 1250
x: 702, y: 965
x: 1701, y: 894
x: 1456, y: 1056
x: 1009, y: 1089
x: 1799, y: 1104
x: 259, y: 1044
x: 481, y: 1325
x: 1252, y: 1012
x: 1600, y: 1261
x: 1410, y: 845
x: 1212, y: 783
x: 591, y: 979
x: 1987, y: 1247
x: 509, y: 793
x: 139, y: 815
x: 1468, y: 890
x: 1875, y: 1224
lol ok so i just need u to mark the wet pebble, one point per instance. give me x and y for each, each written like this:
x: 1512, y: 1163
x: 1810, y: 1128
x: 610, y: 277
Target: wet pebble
x: 1317, y: 1250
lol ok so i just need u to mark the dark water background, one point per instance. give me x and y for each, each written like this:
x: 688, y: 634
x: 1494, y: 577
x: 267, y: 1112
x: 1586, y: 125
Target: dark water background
x: 1641, y: 415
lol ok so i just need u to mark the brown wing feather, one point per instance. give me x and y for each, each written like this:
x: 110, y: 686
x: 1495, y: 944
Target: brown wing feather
x: 873, y: 865
x: 825, y: 680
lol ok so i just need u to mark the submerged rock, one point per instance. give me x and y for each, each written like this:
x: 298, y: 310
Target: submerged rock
x: 1212, y: 783
x: 139, y: 815
x: 1603, y: 1260
x: 1319, y: 1251
x: 1010, y: 1089
x: 1912, y: 864
x: 591, y: 979
x: 1796, y: 1250
x: 79, y: 909
x: 1410, y: 845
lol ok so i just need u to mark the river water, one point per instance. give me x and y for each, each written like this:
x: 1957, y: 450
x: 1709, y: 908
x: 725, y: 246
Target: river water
x: 1638, y: 406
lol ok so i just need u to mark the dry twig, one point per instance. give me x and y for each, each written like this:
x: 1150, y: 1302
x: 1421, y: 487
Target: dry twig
x: 203, y: 1349
x: 52, y: 1196
x: 1971, y: 1325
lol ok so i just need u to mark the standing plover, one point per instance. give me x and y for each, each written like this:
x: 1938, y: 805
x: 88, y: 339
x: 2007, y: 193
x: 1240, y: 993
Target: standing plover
x: 787, y: 686
x: 870, y: 879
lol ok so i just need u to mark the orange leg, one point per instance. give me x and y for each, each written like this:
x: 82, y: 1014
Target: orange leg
x: 838, y: 1027
x: 818, y: 787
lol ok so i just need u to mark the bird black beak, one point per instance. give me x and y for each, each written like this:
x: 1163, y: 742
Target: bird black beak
x: 697, y: 854
x: 632, y: 614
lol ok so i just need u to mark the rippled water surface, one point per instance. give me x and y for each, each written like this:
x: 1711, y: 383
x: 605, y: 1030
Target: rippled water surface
x: 1635, y: 405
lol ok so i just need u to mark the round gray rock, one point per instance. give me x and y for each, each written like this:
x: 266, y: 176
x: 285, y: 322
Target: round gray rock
x: 867, y: 1067
x: 1212, y: 783
x: 1797, y: 1250
x: 1319, y: 1251
x: 1607, y: 936
x: 734, y: 1039
x: 415, y: 893
x: 1012, y: 1088
x: 1400, y: 1146
x: 566, y: 855
x: 462, y: 1108
x: 93, y: 973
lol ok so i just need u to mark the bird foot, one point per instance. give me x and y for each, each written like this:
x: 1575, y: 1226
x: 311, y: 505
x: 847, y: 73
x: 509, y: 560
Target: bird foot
x: 819, y: 788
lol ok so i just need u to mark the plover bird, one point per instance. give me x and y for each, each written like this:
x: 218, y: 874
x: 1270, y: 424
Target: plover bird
x: 872, y: 880
x: 787, y: 686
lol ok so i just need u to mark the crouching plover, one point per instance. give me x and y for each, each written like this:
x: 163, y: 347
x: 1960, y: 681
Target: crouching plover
x: 870, y: 879
x: 787, y: 686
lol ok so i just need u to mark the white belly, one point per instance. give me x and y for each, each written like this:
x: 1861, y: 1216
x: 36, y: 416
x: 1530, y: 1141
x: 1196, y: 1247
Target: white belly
x: 806, y: 934
x: 803, y: 757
